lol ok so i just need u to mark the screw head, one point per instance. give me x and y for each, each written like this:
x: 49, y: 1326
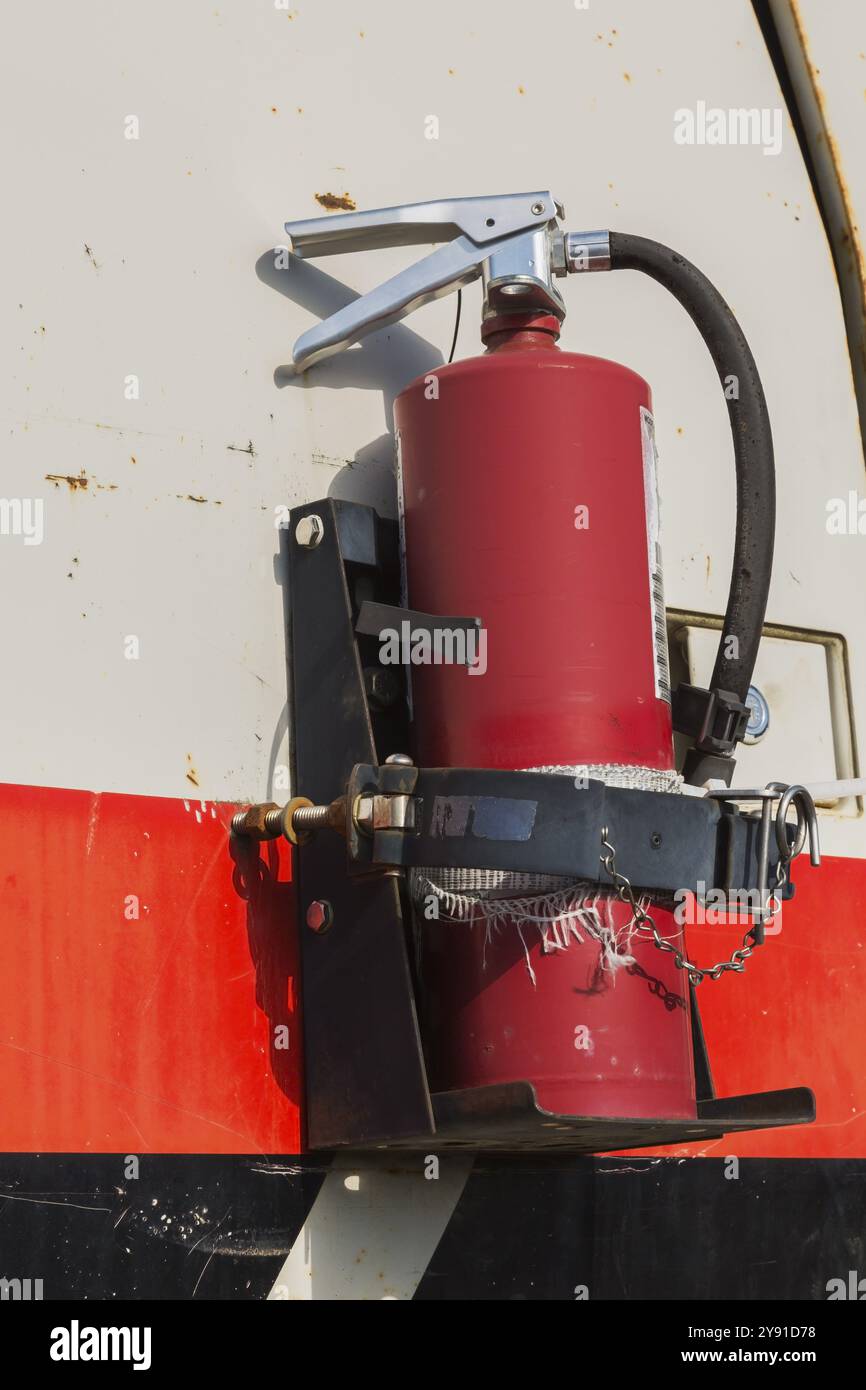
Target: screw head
x: 320, y: 915
x: 538, y: 209
x: 382, y: 685
x: 309, y: 531
x: 400, y: 759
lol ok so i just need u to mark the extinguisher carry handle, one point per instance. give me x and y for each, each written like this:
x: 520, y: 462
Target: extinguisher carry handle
x: 483, y: 220
x: 481, y: 233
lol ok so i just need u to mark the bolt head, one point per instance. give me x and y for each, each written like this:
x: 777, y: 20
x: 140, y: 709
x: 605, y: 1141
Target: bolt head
x: 309, y: 531
x: 399, y: 759
x: 320, y: 915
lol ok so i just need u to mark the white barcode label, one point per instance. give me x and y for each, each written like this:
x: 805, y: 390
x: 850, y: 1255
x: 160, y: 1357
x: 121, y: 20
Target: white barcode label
x: 654, y: 557
x: 404, y: 577
x: 401, y: 520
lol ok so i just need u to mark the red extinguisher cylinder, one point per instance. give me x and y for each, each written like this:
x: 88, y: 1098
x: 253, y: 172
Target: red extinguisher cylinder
x: 527, y: 500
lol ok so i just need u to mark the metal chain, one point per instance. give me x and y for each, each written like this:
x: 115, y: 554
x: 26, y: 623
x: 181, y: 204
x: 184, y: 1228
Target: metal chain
x: 644, y: 923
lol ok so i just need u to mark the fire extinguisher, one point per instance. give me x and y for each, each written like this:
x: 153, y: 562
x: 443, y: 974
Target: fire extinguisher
x: 527, y: 494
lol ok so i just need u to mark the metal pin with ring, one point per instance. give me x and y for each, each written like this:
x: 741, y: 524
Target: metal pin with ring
x: 787, y: 795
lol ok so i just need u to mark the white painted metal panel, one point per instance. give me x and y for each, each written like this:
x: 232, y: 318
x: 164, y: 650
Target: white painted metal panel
x: 373, y: 1229
x: 246, y: 112
x: 794, y: 678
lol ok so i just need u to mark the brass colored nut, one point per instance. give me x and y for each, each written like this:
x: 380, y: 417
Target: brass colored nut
x: 251, y: 823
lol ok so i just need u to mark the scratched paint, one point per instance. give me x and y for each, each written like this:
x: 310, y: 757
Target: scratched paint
x: 156, y: 1032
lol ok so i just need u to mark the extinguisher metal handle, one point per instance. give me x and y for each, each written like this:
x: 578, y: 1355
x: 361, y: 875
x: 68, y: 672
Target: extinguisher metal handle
x: 483, y: 220
x: 511, y: 239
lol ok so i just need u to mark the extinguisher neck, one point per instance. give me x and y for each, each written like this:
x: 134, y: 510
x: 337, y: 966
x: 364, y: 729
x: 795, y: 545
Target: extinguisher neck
x: 512, y: 332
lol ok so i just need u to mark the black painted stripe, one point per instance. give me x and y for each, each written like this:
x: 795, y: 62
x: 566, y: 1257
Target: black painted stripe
x: 189, y: 1226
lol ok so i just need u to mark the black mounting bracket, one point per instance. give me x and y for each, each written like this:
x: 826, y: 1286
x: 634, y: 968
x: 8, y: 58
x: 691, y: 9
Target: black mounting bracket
x: 366, y: 1081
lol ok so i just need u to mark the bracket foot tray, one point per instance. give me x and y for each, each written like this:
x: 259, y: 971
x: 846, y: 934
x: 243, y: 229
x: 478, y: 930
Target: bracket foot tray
x: 508, y: 1117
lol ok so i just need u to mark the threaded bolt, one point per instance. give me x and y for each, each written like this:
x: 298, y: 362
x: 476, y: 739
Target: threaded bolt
x: 258, y: 823
x: 308, y: 818
x: 295, y: 821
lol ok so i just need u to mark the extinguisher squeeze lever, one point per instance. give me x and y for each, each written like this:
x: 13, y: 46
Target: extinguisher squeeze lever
x: 515, y: 245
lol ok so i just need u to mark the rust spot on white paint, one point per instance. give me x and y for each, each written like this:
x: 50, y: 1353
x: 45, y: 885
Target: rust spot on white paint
x: 74, y: 482
x: 336, y: 202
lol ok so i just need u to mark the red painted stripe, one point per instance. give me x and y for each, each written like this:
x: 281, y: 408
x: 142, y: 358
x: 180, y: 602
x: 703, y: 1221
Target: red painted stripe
x: 796, y: 1016
x: 157, y: 1034
x: 154, y: 1034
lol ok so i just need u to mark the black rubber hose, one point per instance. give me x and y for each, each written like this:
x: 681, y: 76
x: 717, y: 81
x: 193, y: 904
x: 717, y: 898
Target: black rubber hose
x: 753, y: 450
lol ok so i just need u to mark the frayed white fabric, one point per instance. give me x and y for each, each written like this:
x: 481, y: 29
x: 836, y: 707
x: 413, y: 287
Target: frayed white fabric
x: 560, y: 911
x: 570, y: 914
